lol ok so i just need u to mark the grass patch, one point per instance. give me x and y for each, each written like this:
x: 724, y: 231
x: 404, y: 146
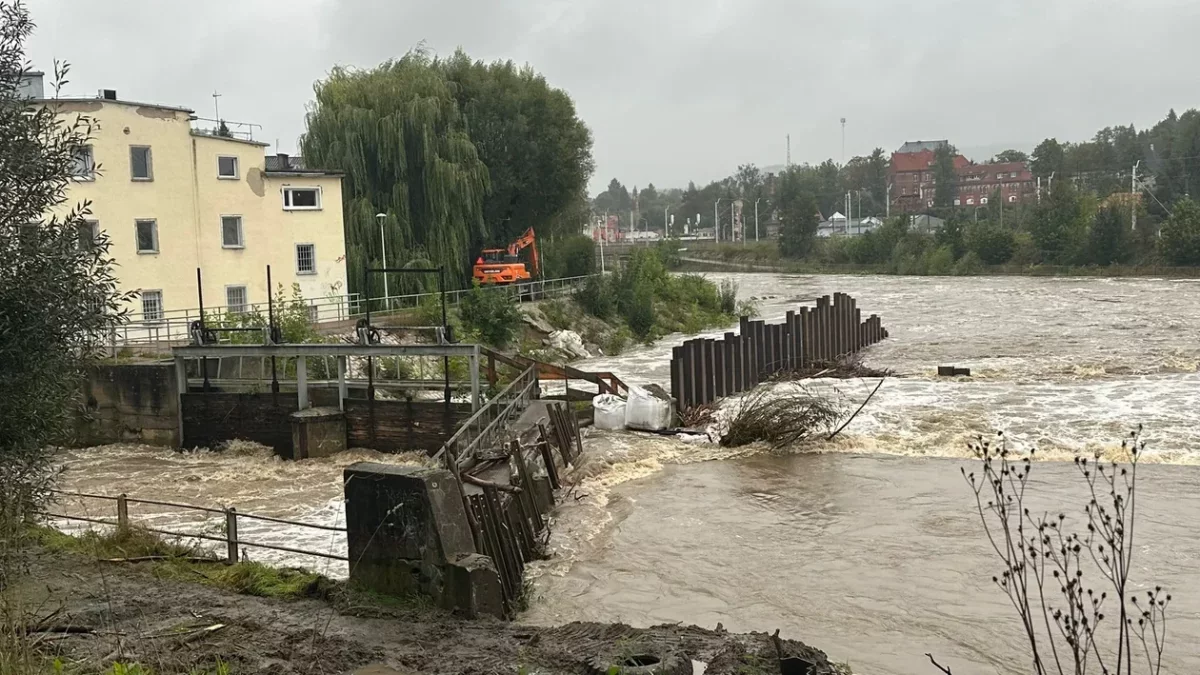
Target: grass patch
x: 250, y: 578
x: 130, y: 542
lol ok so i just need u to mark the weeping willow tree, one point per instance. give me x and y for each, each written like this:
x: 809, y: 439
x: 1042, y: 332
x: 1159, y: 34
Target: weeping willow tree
x: 397, y: 133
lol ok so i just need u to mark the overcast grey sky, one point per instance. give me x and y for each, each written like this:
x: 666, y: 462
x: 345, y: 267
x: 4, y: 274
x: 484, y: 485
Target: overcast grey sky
x: 674, y: 89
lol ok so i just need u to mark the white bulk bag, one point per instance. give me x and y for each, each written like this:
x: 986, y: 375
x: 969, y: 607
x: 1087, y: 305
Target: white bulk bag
x: 646, y: 411
x: 609, y: 412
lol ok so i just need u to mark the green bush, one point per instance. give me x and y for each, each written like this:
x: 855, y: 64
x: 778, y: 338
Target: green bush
x: 596, y: 298
x: 573, y: 256
x: 993, y: 244
x: 640, y: 314
x: 941, y: 261
x: 490, y: 314
x: 729, y: 289
x: 969, y: 264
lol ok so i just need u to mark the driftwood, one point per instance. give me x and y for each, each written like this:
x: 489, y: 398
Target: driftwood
x: 152, y: 558
x: 851, y: 418
x: 475, y: 480
x: 780, y: 418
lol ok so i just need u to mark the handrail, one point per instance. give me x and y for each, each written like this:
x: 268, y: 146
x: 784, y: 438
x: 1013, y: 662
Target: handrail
x: 231, y: 516
x: 546, y: 370
x: 527, y: 381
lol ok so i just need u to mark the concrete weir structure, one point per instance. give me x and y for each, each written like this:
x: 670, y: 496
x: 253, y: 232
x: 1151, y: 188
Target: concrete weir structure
x: 408, y: 534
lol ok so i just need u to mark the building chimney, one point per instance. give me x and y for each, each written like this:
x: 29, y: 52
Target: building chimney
x: 108, y: 94
x: 30, y: 85
x: 282, y: 159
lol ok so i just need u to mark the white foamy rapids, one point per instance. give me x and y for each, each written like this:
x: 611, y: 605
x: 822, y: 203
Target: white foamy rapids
x: 246, y: 476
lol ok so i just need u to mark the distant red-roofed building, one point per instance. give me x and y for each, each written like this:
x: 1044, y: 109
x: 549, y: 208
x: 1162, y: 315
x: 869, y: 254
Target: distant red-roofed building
x: 978, y: 183
x: 912, y: 175
x: 913, y: 184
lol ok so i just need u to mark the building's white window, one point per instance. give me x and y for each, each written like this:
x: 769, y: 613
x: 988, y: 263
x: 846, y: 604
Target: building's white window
x: 83, y: 166
x: 1012, y: 198
x: 141, y: 166
x: 89, y: 230
x: 958, y: 202
x: 235, y: 299
x: 227, y: 167
x: 152, y: 306
x: 231, y: 232
x: 147, y: 236
x: 306, y: 259
x: 301, y: 198
x: 983, y: 200
x: 970, y: 201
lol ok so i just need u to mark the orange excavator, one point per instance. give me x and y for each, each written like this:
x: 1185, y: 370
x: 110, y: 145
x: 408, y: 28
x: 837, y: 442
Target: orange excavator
x: 497, y: 266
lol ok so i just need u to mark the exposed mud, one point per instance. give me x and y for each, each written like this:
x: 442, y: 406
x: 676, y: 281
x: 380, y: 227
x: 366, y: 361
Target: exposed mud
x: 131, y: 616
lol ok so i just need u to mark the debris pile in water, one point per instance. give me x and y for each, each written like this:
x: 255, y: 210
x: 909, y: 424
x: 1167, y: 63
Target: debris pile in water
x: 780, y: 417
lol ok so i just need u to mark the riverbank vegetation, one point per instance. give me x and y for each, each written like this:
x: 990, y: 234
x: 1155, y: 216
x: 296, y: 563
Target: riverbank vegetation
x: 58, y: 292
x: 1072, y: 586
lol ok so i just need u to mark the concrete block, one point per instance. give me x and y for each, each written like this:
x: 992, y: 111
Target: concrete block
x: 473, y: 587
x: 404, y: 524
x: 318, y: 432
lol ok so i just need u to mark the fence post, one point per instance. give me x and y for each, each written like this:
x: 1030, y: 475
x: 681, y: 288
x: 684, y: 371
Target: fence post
x: 719, y: 368
x: 690, y: 369
x: 231, y: 535
x: 677, y: 376
x: 122, y: 512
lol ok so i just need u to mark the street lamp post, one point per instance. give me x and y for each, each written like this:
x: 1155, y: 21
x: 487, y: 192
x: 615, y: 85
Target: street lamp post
x: 756, y: 218
x: 717, y: 221
x: 666, y: 232
x: 380, y: 218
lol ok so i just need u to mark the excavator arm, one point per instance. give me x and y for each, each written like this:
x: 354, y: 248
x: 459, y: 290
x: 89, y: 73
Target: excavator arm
x: 527, y: 240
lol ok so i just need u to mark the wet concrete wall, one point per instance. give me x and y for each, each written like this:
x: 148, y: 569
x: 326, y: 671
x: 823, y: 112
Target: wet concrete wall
x: 130, y: 403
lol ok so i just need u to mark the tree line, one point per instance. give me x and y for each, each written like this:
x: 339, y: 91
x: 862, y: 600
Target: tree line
x: 458, y: 155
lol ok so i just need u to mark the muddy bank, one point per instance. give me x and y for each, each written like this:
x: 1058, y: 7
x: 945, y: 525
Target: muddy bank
x: 104, y: 612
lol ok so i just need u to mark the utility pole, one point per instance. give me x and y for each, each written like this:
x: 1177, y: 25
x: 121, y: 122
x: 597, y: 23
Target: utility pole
x: 756, y: 219
x: 666, y: 233
x: 860, y: 211
x: 603, y: 236
x: 217, y: 107
x: 1050, y: 182
x: 1133, y: 195
x: 632, y: 224
x: 717, y: 221
x: 888, y: 199
x: 843, y: 141
x: 1039, y: 190
x: 789, y: 151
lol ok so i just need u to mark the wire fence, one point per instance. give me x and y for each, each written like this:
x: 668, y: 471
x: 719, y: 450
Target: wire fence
x: 228, y: 521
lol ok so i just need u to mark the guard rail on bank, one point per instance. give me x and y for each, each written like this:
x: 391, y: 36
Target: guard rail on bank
x: 229, y: 537
x: 487, y: 427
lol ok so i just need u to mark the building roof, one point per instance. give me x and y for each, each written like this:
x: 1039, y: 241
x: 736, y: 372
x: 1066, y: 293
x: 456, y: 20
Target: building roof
x: 920, y: 146
x: 912, y: 161
x: 286, y: 165
x: 204, y: 133
x: 97, y: 99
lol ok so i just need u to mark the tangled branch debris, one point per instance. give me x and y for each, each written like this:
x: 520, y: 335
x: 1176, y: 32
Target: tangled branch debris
x: 780, y: 417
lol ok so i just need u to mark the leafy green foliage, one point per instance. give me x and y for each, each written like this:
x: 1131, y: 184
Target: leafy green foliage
x: 992, y: 243
x: 944, y: 175
x: 1108, y: 239
x: 571, y: 256
x: 595, y: 298
x: 797, y: 214
x: 490, y: 314
x: 1181, y: 235
x: 1059, y: 223
x: 58, y: 292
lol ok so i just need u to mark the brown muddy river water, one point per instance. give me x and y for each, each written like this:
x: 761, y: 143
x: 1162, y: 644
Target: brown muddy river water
x: 867, y: 547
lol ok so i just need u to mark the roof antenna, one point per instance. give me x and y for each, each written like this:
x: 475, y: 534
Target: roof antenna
x: 216, y: 105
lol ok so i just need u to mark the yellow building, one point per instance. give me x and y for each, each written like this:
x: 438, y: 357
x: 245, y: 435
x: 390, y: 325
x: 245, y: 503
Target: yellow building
x: 172, y: 199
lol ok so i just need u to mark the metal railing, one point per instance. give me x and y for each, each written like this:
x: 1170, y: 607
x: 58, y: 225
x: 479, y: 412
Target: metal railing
x: 174, y: 326
x: 485, y: 427
x: 231, y: 517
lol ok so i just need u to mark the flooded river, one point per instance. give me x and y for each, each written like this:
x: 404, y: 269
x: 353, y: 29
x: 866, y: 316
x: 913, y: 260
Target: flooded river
x: 869, y: 546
